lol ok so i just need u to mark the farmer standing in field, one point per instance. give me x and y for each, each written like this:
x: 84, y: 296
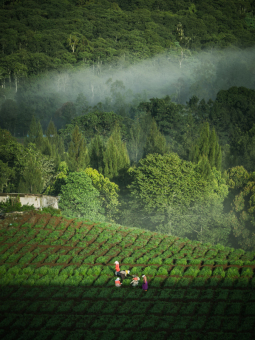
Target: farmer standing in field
x: 145, y: 283
x: 117, y: 268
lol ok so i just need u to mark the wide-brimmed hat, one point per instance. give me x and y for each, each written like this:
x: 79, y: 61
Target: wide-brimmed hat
x: 116, y: 262
x: 117, y: 279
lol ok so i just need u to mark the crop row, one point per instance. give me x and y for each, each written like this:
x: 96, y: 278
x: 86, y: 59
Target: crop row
x: 83, y: 276
x: 74, y: 270
x: 99, y: 253
x: 150, y: 308
x: 109, y: 293
x: 131, y: 244
x: 94, y: 255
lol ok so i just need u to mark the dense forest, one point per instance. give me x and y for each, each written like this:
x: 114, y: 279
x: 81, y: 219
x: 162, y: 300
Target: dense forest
x: 137, y: 112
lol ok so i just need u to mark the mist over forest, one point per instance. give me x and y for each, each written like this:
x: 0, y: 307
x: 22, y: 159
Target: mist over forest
x: 140, y: 114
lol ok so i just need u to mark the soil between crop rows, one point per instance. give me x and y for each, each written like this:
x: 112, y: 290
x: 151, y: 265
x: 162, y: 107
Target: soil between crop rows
x: 186, y: 310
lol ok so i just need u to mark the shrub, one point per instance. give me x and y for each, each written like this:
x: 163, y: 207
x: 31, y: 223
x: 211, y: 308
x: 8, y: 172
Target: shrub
x: 178, y: 270
x: 219, y: 271
x: 169, y: 261
x: 129, y: 260
x: 137, y: 271
x: 155, y: 260
x: 246, y: 272
x: 42, y: 270
x: 90, y: 259
x: 227, y: 282
x: 126, y: 282
x: 198, y: 282
x: 183, y: 282
x: 192, y: 271
x: 195, y: 261
x: 209, y: 262
x: 2, y: 270
x: 156, y: 282
x: 242, y: 282
x: 28, y: 270
x: 221, y: 262
x: 53, y: 271
x: 101, y: 280
x: 68, y: 270
x: 143, y: 260
x: 212, y: 282
x: 102, y: 259
x: 88, y: 280
x: 15, y: 270
x: 237, y: 262
x: 150, y: 271
x: 162, y: 271
x: 233, y: 272
x: 94, y: 271
x: 171, y: 281
x: 206, y: 271
x: 181, y: 261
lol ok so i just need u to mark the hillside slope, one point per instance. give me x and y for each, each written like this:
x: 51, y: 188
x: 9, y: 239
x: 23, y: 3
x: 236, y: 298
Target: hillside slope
x: 58, y: 275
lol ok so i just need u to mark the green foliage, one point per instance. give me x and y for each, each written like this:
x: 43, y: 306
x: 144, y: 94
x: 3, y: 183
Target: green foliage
x: 195, y: 261
x: 177, y: 270
x: 206, y: 271
x: 232, y: 272
x: 206, y: 152
x: 181, y: 261
x: 209, y: 262
x: 116, y: 158
x: 155, y: 260
x: 13, y: 204
x: 94, y: 271
x: 219, y: 271
x: 108, y: 192
x: 161, y: 187
x: 246, y: 272
x: 79, y: 197
x: 192, y: 271
x: 78, y: 157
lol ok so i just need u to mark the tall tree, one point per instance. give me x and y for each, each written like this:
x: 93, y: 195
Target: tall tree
x: 207, y: 146
x: 136, y: 141
x: 78, y: 156
x: 241, y: 203
x: 116, y: 158
x: 80, y: 198
x: 169, y: 194
x: 155, y: 142
x: 108, y: 193
x: 96, y: 152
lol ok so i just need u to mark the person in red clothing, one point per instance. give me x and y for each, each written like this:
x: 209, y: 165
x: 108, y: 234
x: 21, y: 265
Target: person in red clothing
x: 135, y: 280
x: 117, y: 268
x: 118, y: 283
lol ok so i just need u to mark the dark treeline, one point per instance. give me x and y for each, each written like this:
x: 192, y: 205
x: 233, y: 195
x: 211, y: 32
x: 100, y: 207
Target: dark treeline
x: 39, y: 35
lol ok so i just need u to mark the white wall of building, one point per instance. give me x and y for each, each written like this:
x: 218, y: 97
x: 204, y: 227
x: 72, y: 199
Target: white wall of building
x: 38, y: 201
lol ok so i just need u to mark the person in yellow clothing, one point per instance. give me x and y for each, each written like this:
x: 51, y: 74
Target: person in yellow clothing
x: 124, y: 273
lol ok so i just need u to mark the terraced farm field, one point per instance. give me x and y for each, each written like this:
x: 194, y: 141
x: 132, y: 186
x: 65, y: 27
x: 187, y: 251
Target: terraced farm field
x: 57, y: 282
